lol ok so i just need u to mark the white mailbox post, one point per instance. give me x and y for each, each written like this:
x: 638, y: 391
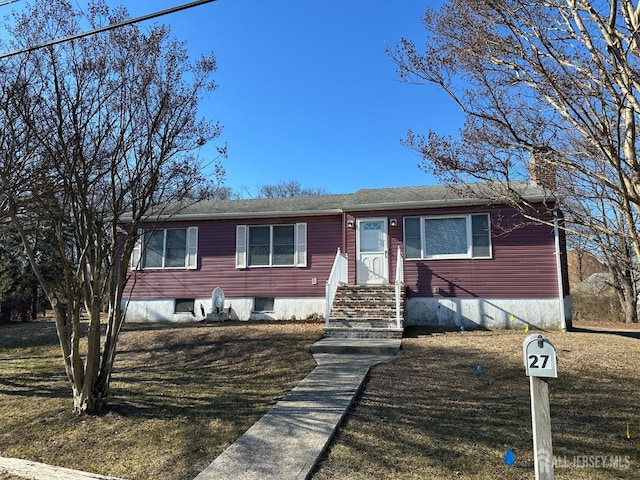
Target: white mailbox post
x: 540, y: 363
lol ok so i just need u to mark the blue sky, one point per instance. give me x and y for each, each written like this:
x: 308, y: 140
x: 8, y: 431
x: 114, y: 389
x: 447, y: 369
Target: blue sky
x: 307, y: 91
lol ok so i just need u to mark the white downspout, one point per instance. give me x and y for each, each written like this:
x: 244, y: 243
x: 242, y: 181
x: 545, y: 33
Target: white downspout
x: 556, y: 232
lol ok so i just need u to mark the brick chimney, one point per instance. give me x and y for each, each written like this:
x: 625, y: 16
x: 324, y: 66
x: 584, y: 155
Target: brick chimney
x: 542, y: 169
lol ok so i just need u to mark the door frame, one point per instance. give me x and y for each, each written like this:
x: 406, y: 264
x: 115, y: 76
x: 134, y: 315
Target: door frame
x: 384, y: 255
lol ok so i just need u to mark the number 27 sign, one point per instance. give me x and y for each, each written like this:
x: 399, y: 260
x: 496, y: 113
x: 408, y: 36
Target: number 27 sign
x: 539, y: 357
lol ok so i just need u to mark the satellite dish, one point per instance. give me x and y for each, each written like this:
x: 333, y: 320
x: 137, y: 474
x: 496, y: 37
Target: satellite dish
x: 217, y: 300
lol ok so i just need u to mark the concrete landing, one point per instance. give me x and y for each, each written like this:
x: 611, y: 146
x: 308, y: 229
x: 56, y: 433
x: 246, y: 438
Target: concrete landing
x: 357, y: 346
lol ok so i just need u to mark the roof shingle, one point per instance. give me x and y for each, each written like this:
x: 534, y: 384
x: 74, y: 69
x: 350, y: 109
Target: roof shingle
x: 365, y: 199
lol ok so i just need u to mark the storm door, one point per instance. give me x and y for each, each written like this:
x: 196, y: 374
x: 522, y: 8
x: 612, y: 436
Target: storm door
x: 372, y: 251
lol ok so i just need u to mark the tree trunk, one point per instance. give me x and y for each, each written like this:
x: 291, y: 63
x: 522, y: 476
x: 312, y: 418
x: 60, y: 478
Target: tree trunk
x: 34, y: 300
x: 5, y: 312
x: 628, y: 302
x: 629, y: 310
x: 92, y: 402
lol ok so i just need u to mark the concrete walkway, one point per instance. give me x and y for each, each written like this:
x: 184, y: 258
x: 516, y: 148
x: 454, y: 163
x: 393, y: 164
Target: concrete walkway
x: 287, y: 442
x: 40, y: 471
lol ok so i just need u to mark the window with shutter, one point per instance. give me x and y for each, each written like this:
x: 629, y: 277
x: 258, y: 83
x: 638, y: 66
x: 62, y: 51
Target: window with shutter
x: 271, y: 245
x: 167, y: 248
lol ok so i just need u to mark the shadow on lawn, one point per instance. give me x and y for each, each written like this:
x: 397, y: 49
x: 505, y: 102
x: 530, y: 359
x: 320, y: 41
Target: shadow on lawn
x: 608, y: 331
x: 429, y: 412
x: 44, y: 385
x: 38, y: 333
x: 216, y: 382
x: 179, y: 394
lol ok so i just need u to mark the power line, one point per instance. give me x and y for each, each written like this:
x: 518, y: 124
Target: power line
x: 7, y: 2
x: 107, y: 27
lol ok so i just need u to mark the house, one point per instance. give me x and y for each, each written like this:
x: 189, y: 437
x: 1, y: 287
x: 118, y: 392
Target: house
x: 442, y: 256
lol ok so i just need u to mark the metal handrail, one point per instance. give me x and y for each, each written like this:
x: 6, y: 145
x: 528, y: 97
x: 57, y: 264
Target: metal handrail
x: 399, y: 284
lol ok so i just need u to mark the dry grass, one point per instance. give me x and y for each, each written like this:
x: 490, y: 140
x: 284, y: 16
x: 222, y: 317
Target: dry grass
x: 180, y: 395
x: 426, y: 415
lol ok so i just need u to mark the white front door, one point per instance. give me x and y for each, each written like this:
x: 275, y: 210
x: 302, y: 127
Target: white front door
x: 372, y: 251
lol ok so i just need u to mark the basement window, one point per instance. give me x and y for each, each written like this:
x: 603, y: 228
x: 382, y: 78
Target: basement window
x: 263, y: 304
x: 185, y: 305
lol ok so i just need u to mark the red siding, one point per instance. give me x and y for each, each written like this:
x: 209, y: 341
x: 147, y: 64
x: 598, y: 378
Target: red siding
x: 523, y: 263
x: 216, y: 264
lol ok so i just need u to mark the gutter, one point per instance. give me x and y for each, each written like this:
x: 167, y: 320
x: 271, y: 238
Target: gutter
x: 438, y: 203
x: 237, y: 215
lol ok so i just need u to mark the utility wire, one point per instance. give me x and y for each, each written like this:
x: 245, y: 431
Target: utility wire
x: 7, y: 2
x: 108, y: 27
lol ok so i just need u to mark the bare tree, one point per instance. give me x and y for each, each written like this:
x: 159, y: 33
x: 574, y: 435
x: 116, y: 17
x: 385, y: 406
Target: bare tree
x: 287, y: 189
x: 111, y: 128
x: 552, y: 80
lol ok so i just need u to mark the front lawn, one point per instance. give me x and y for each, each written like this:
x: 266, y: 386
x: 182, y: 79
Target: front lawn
x: 428, y: 415
x: 180, y: 395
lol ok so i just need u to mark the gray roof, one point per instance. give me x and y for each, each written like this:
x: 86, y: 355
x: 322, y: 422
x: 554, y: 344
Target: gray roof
x: 430, y: 196
x: 320, y: 203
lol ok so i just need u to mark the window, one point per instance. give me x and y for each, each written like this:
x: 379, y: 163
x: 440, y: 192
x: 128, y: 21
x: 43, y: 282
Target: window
x: 259, y: 246
x: 271, y: 245
x: 464, y: 236
x: 263, y: 304
x: 166, y: 248
x: 184, y: 305
x: 372, y: 236
x: 481, y: 236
